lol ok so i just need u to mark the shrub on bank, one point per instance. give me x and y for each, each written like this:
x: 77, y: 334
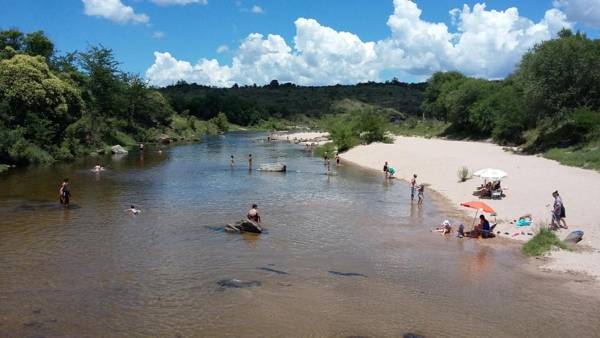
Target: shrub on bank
x: 542, y: 242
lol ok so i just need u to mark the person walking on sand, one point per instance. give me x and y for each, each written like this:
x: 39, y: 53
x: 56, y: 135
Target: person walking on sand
x: 249, y: 161
x: 231, y: 162
x: 413, y: 187
x: 421, y: 194
x: 64, y: 193
x: 559, y: 213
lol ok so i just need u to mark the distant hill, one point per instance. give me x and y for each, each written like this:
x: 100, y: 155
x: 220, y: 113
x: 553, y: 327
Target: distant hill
x: 247, y: 105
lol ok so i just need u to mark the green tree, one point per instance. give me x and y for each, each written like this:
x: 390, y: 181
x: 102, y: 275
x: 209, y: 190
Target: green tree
x: 433, y: 105
x: 37, y: 43
x: 561, y: 74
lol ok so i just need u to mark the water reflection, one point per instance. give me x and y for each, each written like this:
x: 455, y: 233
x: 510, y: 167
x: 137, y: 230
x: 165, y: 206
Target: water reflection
x: 98, y: 271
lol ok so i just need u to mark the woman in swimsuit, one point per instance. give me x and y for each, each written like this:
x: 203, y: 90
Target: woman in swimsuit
x: 64, y: 193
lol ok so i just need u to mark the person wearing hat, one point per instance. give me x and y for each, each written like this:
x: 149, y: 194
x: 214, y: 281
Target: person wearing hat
x: 444, y: 228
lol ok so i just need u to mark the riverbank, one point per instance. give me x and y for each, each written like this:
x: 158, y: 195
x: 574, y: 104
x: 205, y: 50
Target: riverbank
x: 528, y: 187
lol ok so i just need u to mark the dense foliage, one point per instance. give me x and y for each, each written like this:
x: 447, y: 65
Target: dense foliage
x: 249, y: 105
x: 552, y: 99
x: 57, y: 107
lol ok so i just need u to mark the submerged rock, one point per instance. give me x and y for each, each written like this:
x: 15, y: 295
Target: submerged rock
x: 279, y: 272
x: 237, y: 284
x: 347, y: 274
x: 117, y: 149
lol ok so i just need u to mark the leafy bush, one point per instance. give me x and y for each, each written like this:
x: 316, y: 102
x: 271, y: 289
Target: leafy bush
x: 542, y: 242
x: 463, y: 174
x: 221, y: 122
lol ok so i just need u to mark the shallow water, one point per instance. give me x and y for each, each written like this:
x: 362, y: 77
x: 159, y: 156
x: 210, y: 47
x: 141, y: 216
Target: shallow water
x: 344, y: 255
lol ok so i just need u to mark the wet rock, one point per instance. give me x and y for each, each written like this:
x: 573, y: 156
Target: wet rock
x: 164, y: 139
x: 244, y: 226
x: 237, y: 284
x: 279, y: 272
x: 412, y: 335
x: 117, y: 149
x: 347, y: 274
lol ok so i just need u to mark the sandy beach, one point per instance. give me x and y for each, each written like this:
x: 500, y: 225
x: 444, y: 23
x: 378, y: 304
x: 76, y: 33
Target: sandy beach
x: 309, y: 137
x: 528, y: 187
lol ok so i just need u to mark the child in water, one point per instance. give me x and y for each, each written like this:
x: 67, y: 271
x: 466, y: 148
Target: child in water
x: 133, y: 210
x: 421, y: 191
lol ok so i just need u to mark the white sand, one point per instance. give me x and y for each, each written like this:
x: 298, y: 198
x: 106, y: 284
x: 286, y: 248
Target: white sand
x: 309, y: 135
x: 528, y: 187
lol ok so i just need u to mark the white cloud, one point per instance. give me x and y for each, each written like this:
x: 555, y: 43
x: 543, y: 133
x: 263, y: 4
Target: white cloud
x: 179, y: 2
x: 584, y: 11
x: 485, y: 43
x: 158, y: 35
x: 257, y: 9
x: 222, y: 49
x: 113, y: 10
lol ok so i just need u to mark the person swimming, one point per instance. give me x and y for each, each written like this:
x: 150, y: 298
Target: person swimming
x: 253, y: 214
x: 98, y: 168
x: 133, y: 210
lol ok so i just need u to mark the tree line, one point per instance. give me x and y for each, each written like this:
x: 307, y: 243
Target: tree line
x: 551, y: 100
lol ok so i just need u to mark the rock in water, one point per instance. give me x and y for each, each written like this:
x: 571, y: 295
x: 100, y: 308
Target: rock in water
x: 164, y: 139
x: 574, y: 237
x: 236, y: 283
x: 117, y: 149
x: 244, y: 226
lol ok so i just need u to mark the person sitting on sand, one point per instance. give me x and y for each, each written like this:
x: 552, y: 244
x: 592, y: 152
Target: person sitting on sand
x: 444, y: 228
x: 133, y: 210
x: 484, y: 227
x: 253, y: 214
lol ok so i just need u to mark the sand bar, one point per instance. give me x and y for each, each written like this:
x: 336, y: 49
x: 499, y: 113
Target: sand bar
x: 528, y: 187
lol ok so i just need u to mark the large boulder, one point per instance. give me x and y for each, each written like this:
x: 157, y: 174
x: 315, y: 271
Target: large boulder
x: 244, y: 226
x: 117, y: 149
x: 164, y: 139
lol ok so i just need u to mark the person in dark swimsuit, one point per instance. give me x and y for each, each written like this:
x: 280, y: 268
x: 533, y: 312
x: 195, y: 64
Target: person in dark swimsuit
x: 64, y: 193
x: 253, y: 214
x: 249, y: 161
x: 385, y: 169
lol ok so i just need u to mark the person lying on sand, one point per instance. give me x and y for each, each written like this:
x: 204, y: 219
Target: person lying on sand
x: 444, y: 228
x: 133, y: 210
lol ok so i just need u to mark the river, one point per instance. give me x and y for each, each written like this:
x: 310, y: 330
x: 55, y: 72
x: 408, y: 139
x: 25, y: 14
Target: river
x: 344, y: 255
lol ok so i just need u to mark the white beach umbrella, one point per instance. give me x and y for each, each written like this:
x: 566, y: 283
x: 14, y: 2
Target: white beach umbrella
x: 490, y: 174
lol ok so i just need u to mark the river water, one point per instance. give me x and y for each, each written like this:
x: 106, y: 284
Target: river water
x: 344, y: 255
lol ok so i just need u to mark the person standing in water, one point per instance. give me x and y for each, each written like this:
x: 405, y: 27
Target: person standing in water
x: 249, y: 161
x: 421, y: 194
x: 231, y: 162
x: 325, y: 158
x: 253, y: 214
x: 64, y: 193
x: 413, y: 187
x: 385, y: 168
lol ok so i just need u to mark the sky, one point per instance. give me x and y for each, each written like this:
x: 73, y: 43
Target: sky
x: 307, y: 42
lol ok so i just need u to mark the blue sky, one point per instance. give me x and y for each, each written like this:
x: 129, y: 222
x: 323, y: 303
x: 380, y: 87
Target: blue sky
x: 192, y: 32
